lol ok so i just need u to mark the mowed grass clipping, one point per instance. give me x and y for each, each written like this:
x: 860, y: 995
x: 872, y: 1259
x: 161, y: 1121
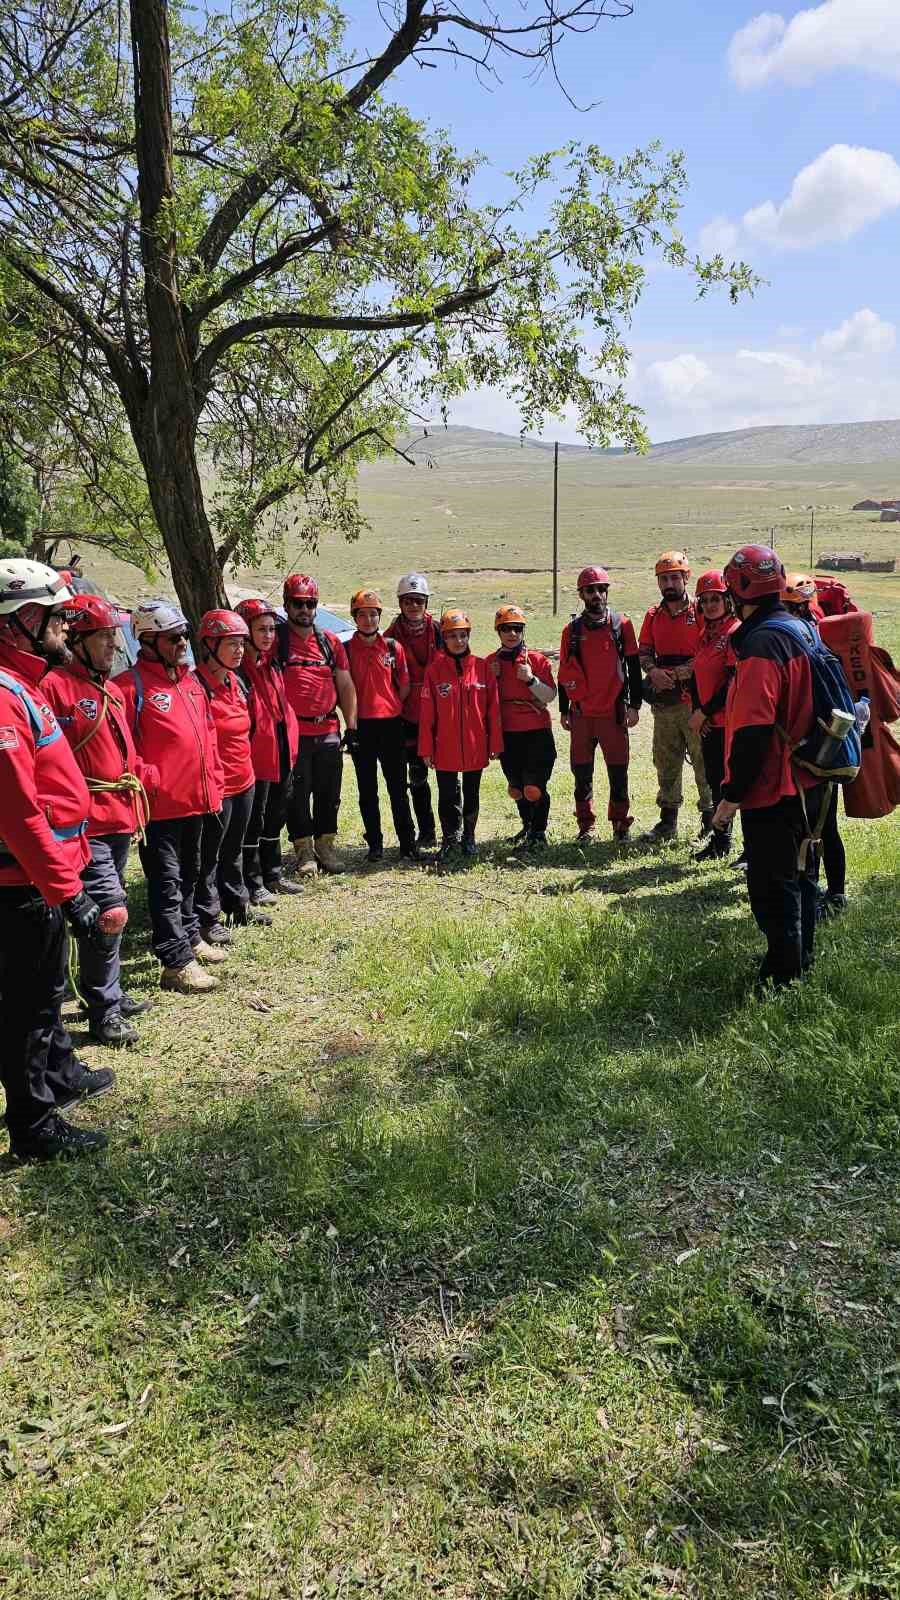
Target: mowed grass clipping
x: 481, y: 1237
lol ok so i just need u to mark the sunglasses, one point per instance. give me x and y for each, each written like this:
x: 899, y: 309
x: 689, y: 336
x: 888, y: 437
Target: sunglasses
x: 596, y: 588
x: 309, y: 605
x: 414, y: 599
x: 177, y: 636
x: 512, y: 627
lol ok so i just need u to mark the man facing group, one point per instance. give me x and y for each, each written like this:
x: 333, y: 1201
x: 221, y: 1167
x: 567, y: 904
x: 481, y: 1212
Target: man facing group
x: 207, y: 763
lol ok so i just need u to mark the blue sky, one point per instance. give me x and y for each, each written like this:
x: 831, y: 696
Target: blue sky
x: 789, y: 122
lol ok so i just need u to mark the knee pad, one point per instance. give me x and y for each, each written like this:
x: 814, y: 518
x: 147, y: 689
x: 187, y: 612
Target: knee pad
x: 516, y: 794
x: 532, y: 792
x: 112, y: 921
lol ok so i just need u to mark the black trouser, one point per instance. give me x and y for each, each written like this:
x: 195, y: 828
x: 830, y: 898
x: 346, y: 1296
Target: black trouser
x: 312, y: 808
x: 170, y: 857
x: 528, y: 760
x: 262, y: 841
x: 417, y: 778
x: 221, y: 886
x: 99, y: 964
x: 782, y: 896
x: 713, y: 746
x: 37, y: 1061
x: 834, y: 858
x: 382, y: 743
x: 458, y: 803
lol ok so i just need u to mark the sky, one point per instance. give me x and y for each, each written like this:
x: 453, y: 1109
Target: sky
x: 790, y: 124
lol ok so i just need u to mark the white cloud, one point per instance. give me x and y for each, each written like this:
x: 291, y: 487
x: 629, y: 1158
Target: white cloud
x: 793, y: 371
x: 679, y: 377
x: 831, y: 199
x: 863, y: 334
x: 719, y: 237
x: 838, y: 33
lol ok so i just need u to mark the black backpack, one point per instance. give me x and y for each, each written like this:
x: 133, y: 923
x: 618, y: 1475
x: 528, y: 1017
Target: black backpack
x: 284, y: 646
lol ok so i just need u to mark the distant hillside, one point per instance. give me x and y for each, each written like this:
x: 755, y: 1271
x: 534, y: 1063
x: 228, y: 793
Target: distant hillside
x: 814, y: 445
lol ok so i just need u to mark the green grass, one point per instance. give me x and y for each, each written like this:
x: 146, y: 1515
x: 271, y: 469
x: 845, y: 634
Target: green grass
x: 481, y: 1237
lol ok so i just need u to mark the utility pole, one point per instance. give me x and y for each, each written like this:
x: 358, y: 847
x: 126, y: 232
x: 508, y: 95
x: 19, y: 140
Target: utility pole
x: 555, y: 528
x: 812, y: 525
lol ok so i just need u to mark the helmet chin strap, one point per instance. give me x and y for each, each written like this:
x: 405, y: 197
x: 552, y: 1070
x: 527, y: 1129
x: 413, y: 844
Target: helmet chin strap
x: 84, y: 657
x: 35, y: 639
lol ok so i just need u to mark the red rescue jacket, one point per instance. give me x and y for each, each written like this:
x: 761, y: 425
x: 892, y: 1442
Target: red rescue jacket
x: 519, y: 711
x: 667, y: 641
x: 459, y: 724
x: 379, y: 672
x: 592, y: 677
x: 173, y: 729
x: 271, y: 708
x: 421, y: 649
x: 870, y: 671
x: 231, y: 709
x: 713, y: 666
x: 94, y: 721
x: 44, y: 802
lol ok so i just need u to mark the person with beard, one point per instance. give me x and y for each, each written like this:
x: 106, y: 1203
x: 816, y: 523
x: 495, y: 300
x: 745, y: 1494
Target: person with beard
x: 173, y: 729
x: 44, y: 807
x: 713, y: 669
x: 668, y: 643
x: 317, y: 680
x: 381, y: 680
x: 526, y: 688
x: 599, y: 700
x: 273, y: 747
x: 770, y: 710
x: 420, y: 636
x: 459, y: 731
x: 91, y: 712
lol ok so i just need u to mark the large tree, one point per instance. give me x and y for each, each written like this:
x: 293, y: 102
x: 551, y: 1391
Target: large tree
x: 274, y: 265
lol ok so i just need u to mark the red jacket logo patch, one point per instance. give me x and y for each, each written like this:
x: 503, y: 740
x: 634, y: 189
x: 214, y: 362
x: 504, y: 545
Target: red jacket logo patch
x: 161, y: 700
x: 89, y: 707
x: 9, y: 739
x: 444, y: 689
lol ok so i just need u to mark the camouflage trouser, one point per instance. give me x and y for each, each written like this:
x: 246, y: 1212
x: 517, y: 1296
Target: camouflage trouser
x: 673, y: 743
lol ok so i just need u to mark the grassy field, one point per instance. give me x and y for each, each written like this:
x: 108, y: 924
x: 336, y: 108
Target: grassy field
x: 483, y: 1237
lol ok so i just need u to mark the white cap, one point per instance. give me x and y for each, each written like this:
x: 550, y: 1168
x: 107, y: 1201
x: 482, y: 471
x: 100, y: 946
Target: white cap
x: 157, y: 616
x: 30, y: 583
x: 413, y: 583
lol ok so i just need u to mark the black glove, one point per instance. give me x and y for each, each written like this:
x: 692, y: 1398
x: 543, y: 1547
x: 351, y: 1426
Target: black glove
x: 83, y: 916
x: 350, y: 741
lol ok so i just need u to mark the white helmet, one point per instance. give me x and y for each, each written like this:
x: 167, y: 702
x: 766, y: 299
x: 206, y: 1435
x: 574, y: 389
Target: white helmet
x: 30, y: 583
x: 413, y: 583
x: 157, y: 616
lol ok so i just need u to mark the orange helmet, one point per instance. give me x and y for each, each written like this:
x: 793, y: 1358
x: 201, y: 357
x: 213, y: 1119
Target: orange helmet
x: 673, y: 561
x: 508, y: 614
x: 365, y: 597
x: 455, y: 619
x: 798, y: 589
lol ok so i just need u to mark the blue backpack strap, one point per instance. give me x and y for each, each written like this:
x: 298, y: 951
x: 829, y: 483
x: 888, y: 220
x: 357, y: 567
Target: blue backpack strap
x: 41, y: 739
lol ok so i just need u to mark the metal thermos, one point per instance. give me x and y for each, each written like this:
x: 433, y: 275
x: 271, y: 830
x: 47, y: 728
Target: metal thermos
x: 836, y: 731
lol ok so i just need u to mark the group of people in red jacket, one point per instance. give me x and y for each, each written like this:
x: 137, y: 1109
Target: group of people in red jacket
x: 207, y: 764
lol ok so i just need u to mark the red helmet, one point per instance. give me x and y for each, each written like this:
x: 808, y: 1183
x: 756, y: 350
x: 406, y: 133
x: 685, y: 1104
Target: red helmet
x: 299, y: 587
x: 252, y: 609
x: 753, y: 572
x: 711, y: 583
x: 88, y: 613
x: 592, y: 575
x: 222, y: 625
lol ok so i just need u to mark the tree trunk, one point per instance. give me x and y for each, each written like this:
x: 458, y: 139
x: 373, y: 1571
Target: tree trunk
x: 176, y: 493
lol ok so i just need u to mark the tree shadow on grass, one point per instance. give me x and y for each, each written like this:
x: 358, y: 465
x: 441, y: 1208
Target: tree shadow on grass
x: 533, y: 1152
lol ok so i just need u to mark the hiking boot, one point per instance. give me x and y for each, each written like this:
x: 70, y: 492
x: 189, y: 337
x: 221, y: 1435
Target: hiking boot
x: 130, y: 1007
x: 305, y: 851
x: 277, y: 886
x: 248, y: 917
x: 113, y: 1031
x: 217, y: 933
x: 56, y: 1137
x: 705, y: 823
x: 717, y: 845
x: 409, y: 851
x: 86, y: 1085
x: 585, y: 831
x: 740, y: 863
x: 468, y: 844
x: 621, y: 832
x: 427, y: 840
x: 375, y: 853
x: 326, y: 855
x: 188, y: 980
x: 518, y: 838
x: 832, y: 905
x: 263, y: 897
x: 665, y: 828
x: 537, y: 841
x: 449, y: 847
x: 209, y: 954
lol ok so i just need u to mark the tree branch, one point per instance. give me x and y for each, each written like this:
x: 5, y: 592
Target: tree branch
x: 298, y: 245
